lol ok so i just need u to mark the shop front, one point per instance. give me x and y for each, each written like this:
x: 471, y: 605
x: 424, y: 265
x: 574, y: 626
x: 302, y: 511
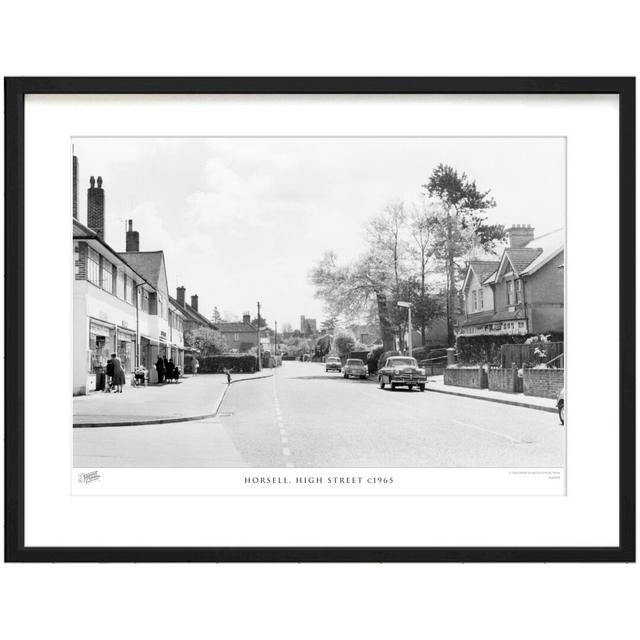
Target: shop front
x: 102, y: 343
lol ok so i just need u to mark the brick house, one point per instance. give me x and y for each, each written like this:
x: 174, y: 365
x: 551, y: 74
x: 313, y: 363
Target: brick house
x: 242, y: 336
x: 522, y: 293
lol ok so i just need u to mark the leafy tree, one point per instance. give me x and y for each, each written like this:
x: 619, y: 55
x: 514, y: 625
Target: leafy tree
x: 323, y: 346
x: 351, y: 289
x: 208, y: 341
x: 344, y: 342
x: 459, y: 226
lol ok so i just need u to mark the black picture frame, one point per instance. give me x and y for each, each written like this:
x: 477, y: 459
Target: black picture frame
x: 15, y: 91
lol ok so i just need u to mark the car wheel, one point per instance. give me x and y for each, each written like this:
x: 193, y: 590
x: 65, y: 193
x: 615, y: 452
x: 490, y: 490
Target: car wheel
x: 393, y: 386
x: 381, y: 382
x: 421, y: 387
x: 410, y: 387
x: 561, y: 412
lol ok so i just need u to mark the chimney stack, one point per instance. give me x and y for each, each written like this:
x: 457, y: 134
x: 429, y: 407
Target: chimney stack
x: 95, y: 207
x: 246, y: 317
x: 194, y: 302
x: 133, y: 238
x: 180, y: 292
x: 520, y: 235
x: 75, y: 187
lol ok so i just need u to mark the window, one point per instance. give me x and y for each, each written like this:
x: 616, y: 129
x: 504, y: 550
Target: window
x: 518, y: 291
x: 93, y: 267
x: 510, y: 292
x: 120, y: 285
x: 236, y: 337
x: 107, y: 276
x: 474, y: 300
x: 481, y: 299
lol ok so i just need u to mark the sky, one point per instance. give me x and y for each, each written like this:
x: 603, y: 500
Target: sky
x: 243, y: 220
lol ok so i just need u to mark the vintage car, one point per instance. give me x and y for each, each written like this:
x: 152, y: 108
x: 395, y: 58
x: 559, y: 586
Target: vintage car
x: 560, y: 406
x: 402, y: 371
x: 355, y: 367
x: 333, y: 363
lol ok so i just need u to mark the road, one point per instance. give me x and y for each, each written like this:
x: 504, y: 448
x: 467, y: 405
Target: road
x: 304, y: 417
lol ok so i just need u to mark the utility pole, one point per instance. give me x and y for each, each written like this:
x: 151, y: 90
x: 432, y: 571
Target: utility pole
x: 259, y: 357
x: 275, y: 339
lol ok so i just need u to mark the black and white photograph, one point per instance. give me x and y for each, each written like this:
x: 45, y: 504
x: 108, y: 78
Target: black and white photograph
x: 319, y: 302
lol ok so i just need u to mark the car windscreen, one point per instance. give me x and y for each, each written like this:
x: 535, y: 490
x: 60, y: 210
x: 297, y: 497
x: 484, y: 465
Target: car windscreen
x: 355, y: 363
x: 402, y: 362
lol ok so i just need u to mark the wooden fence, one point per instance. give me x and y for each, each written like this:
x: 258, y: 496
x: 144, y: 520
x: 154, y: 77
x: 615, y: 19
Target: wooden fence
x: 532, y: 354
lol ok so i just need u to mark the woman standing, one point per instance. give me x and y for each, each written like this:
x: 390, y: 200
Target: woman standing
x: 118, y: 373
x: 160, y: 369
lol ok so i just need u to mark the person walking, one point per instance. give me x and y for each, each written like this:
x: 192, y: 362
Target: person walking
x: 160, y: 369
x: 108, y: 380
x: 169, y: 367
x: 228, y: 372
x: 118, y: 373
x: 196, y: 365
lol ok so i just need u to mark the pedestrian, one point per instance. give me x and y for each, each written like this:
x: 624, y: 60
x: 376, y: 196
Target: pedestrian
x: 118, y: 373
x: 160, y: 369
x: 228, y: 372
x: 169, y: 367
x: 196, y: 365
x: 108, y: 376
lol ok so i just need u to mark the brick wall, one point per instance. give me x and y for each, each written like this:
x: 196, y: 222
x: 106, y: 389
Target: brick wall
x: 474, y: 378
x: 80, y: 260
x: 543, y: 383
x: 505, y: 380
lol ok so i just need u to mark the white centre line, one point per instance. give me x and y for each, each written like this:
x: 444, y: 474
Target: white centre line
x: 495, y: 433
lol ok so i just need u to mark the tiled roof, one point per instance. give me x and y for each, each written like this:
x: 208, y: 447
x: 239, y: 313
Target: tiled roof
x: 148, y: 263
x: 516, y: 314
x: 236, y: 327
x: 484, y: 268
x: 550, y: 245
x: 521, y: 258
x: 486, y: 317
x: 477, y: 318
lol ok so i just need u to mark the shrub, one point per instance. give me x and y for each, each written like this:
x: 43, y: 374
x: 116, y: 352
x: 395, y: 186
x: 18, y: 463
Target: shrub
x: 235, y: 363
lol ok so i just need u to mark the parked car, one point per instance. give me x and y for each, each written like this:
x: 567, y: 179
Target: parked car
x: 402, y: 371
x: 560, y: 405
x: 355, y: 367
x: 333, y: 363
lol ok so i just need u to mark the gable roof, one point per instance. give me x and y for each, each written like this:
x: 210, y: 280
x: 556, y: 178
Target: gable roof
x: 482, y: 270
x: 550, y: 245
x: 192, y: 314
x: 521, y: 258
x: 149, y: 263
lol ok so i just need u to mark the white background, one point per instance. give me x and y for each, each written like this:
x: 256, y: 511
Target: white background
x: 488, y: 38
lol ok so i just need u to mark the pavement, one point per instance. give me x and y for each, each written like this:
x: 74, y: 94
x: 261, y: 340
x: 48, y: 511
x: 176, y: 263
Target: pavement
x: 436, y: 383
x: 304, y: 417
x: 191, y: 398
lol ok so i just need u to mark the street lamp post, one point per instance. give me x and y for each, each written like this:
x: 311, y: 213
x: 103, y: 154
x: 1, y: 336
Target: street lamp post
x: 407, y: 305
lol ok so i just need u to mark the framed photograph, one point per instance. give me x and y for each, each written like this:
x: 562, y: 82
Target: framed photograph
x: 320, y: 319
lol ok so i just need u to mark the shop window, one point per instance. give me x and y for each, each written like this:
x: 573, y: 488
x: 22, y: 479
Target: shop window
x: 125, y: 353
